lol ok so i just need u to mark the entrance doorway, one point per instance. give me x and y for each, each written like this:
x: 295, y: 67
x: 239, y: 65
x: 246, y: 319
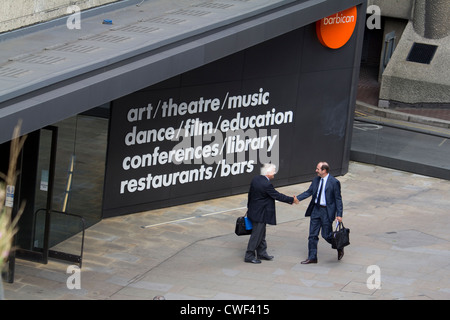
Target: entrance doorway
x: 61, y: 182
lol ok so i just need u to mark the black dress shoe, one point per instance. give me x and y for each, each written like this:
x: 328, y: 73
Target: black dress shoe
x: 340, y: 253
x: 308, y: 261
x: 253, y: 261
x: 266, y: 257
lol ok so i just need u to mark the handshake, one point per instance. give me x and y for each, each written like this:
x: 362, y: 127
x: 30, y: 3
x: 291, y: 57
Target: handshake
x: 296, y: 201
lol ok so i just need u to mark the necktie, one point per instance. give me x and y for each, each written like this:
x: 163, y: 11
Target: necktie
x: 319, y: 195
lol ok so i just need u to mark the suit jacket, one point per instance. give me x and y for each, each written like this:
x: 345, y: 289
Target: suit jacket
x: 332, y: 196
x: 261, y: 200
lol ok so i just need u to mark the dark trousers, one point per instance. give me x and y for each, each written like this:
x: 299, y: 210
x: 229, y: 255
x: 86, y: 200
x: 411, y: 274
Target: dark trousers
x: 319, y: 220
x: 257, y: 242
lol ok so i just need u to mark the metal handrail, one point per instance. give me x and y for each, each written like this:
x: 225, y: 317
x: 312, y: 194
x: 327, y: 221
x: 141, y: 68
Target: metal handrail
x: 59, y: 254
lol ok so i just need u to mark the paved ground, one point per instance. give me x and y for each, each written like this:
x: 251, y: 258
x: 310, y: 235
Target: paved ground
x: 367, y: 96
x: 399, y: 225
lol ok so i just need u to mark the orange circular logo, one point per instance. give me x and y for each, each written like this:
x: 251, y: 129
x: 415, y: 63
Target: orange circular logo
x: 334, y: 31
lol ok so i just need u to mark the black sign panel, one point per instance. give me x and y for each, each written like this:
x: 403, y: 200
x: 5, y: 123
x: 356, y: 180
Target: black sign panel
x: 206, y: 133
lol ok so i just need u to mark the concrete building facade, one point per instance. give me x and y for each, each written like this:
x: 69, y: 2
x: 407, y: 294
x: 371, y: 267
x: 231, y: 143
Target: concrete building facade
x: 414, y: 52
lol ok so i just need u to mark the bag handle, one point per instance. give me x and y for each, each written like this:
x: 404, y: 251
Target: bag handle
x: 339, y: 225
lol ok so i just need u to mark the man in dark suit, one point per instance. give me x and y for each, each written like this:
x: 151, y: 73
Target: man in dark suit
x: 324, y: 208
x: 261, y: 211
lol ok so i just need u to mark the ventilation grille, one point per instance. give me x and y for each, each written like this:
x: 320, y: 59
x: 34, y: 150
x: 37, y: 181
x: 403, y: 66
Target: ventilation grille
x: 421, y: 53
x: 193, y: 13
x: 137, y: 29
x: 214, y: 5
x: 107, y: 38
x: 11, y: 72
x: 165, y: 20
x: 39, y: 59
x: 75, y: 48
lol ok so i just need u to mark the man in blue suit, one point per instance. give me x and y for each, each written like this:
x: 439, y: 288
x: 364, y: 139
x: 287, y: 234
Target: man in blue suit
x: 261, y: 211
x: 324, y: 208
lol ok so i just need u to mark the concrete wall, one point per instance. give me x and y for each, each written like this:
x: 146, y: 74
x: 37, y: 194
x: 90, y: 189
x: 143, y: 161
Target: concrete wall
x: 16, y: 14
x: 431, y: 18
